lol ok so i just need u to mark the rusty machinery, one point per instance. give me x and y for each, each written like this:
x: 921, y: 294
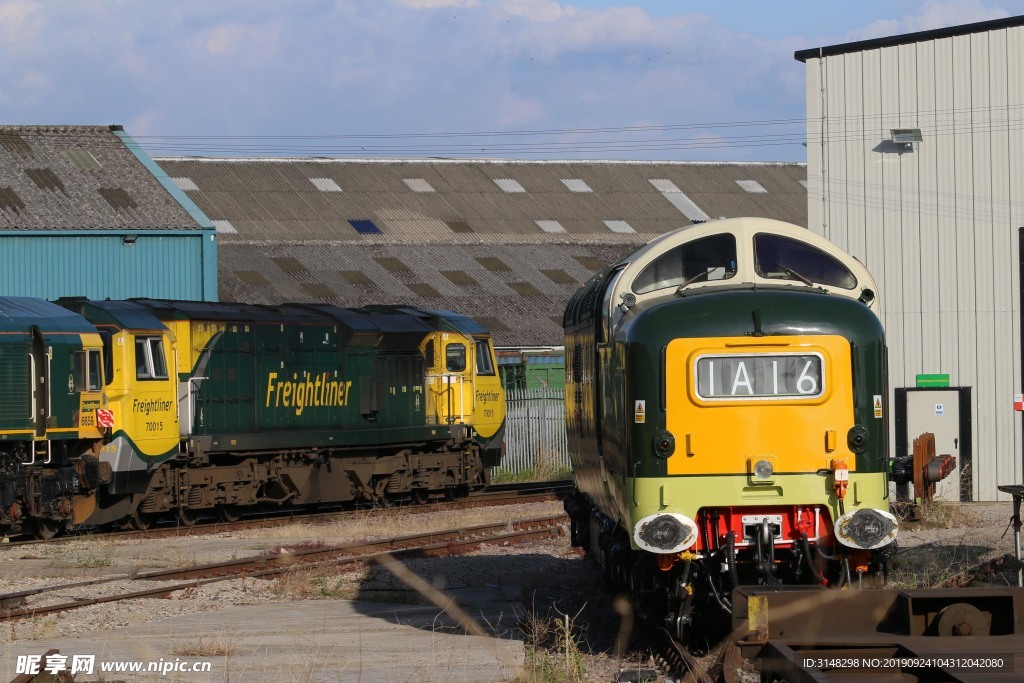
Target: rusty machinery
x: 923, y: 468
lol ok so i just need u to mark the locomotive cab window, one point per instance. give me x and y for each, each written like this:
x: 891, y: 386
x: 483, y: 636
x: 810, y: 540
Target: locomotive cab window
x: 783, y: 258
x: 484, y: 366
x: 150, y: 362
x: 455, y: 357
x: 87, y: 373
x: 702, y: 260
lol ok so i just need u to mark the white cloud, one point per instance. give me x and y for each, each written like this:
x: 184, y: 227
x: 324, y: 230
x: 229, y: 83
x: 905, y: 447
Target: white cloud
x: 519, y: 111
x: 931, y: 15
x: 243, y: 40
x: 537, y: 10
x: 433, y: 4
x: 20, y: 22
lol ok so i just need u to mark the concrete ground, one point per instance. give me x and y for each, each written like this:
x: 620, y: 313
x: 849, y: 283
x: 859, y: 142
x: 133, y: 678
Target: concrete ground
x: 308, y: 640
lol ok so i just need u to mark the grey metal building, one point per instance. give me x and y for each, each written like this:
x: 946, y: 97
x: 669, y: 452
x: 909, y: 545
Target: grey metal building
x: 916, y: 166
x: 505, y: 242
x: 85, y: 212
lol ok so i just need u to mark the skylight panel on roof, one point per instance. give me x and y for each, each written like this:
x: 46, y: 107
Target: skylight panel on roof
x: 751, y: 186
x: 678, y: 199
x: 318, y: 290
x: 392, y: 264
x: 14, y: 143
x: 686, y: 206
x: 424, y: 290
x: 325, y: 184
x: 550, y: 226
x: 803, y: 182
x: 10, y: 201
x: 509, y: 185
x: 619, y: 226
x: 45, y: 179
x: 459, y: 226
x: 576, y: 185
x: 492, y: 263
x: 525, y: 289
x: 289, y: 264
x: 251, y: 277
x: 365, y: 227
x: 186, y: 184
x: 418, y: 184
x: 458, y: 277
x: 224, y: 227
x: 664, y: 185
x: 83, y: 159
x: 117, y: 197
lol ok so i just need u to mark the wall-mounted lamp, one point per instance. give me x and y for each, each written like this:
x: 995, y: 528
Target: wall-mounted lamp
x: 907, y: 138
x: 129, y: 240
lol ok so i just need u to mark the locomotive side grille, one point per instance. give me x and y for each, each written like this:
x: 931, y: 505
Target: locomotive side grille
x: 14, y: 400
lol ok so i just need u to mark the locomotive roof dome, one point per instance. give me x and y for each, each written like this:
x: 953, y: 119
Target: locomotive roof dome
x: 738, y: 252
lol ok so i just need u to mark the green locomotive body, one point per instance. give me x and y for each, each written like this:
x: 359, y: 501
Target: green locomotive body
x: 724, y: 408
x: 217, y: 408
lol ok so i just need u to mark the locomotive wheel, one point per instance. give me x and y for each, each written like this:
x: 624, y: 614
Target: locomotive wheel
x: 456, y: 492
x: 228, y: 513
x: 140, y: 521
x: 420, y: 496
x: 186, y: 517
x: 45, y: 529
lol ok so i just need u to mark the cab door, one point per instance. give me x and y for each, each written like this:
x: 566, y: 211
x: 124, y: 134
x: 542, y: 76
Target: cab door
x: 151, y: 406
x: 450, y: 394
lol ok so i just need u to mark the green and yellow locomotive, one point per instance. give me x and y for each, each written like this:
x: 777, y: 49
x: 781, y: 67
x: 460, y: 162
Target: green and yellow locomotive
x: 724, y: 402
x: 179, y: 409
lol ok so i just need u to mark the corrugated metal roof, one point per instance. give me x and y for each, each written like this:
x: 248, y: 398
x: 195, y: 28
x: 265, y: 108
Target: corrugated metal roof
x: 80, y: 178
x: 266, y: 199
x: 478, y: 244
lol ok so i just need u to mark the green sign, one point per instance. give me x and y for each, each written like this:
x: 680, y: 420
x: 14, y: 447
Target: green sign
x: 933, y: 380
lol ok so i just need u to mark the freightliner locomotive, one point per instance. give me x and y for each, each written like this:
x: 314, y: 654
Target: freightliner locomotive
x: 125, y: 412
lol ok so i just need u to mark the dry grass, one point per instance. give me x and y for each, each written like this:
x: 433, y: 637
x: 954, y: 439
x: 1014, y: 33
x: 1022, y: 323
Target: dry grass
x: 947, y: 515
x: 88, y: 554
x: 553, y: 653
x: 206, y: 646
x: 391, y: 522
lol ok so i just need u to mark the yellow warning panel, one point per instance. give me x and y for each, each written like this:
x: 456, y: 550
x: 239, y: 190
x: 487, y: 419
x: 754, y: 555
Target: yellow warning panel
x: 640, y: 412
x: 878, y: 405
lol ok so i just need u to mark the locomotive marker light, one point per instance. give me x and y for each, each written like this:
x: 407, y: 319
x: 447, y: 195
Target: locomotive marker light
x: 866, y: 529
x: 665, y: 532
x: 763, y: 470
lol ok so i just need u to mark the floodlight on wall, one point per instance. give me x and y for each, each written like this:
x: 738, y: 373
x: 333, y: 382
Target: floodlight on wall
x: 129, y: 240
x: 907, y: 138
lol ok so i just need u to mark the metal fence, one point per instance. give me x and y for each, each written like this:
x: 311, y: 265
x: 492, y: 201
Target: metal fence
x: 535, y: 432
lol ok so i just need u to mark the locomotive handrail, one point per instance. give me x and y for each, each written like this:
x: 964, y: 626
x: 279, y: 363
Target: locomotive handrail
x: 34, y: 402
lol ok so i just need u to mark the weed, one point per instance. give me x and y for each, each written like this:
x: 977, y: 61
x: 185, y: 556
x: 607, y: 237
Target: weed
x: 553, y: 653
x: 206, y: 646
x: 78, y: 557
x: 541, y: 472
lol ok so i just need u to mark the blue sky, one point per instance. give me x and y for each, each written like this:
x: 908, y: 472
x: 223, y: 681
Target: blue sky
x: 531, y: 79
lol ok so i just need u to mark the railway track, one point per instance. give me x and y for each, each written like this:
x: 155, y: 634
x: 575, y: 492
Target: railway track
x: 39, y: 601
x: 500, y: 494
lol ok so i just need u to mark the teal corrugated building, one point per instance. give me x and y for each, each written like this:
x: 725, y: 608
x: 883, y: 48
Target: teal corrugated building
x: 85, y: 212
